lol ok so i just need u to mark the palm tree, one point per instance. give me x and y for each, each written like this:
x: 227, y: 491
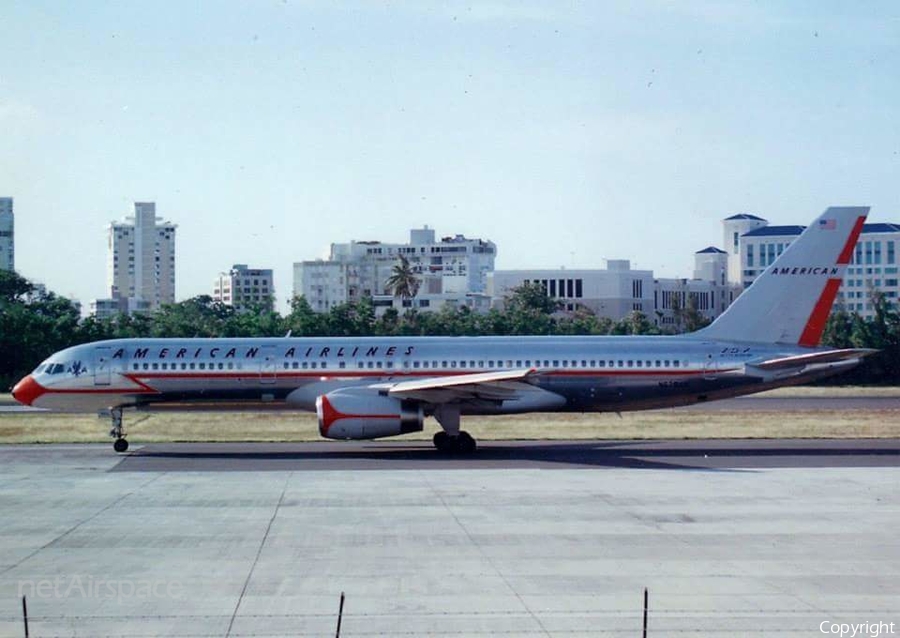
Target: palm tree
x: 403, y: 282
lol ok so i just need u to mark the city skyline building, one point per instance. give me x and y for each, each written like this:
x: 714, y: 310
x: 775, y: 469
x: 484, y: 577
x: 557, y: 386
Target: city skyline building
x: 140, y: 268
x: 452, y: 270
x: 7, y: 235
x: 618, y: 290
x: 245, y: 288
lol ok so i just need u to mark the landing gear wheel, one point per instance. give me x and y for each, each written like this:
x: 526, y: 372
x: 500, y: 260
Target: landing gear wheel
x: 118, y: 432
x: 443, y: 442
x: 465, y: 443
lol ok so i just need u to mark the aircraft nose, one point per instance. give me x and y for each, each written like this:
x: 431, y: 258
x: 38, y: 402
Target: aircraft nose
x: 27, y: 391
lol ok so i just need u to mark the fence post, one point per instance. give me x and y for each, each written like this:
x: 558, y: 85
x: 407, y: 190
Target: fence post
x: 646, y: 598
x: 340, y: 616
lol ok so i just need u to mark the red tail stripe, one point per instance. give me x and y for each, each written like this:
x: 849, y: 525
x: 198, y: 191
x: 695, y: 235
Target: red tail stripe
x: 812, y: 333
x: 847, y: 254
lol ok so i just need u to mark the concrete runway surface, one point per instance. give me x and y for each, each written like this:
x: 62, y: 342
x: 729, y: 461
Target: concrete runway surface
x: 732, y: 538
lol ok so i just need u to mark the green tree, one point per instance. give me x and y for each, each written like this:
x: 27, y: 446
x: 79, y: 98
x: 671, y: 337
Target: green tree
x: 529, y: 310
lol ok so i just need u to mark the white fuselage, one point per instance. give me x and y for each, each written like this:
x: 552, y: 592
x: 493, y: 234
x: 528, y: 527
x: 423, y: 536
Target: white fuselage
x: 570, y: 373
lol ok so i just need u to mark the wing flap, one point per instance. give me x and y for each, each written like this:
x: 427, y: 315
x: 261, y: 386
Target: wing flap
x: 492, y: 386
x: 828, y: 356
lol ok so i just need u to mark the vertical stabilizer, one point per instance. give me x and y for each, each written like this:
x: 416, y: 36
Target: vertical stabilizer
x: 789, y: 302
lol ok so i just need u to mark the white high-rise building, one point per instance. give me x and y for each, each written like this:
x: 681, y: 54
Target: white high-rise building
x: 141, y: 260
x: 452, y: 270
x: 733, y: 228
x: 7, y: 235
x: 245, y: 288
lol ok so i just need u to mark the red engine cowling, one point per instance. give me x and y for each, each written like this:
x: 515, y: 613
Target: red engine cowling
x: 362, y: 413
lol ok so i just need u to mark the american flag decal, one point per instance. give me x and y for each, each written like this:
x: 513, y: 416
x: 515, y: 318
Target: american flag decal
x: 827, y: 224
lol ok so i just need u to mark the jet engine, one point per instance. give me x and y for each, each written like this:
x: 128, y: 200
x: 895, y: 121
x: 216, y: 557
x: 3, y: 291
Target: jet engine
x: 364, y: 413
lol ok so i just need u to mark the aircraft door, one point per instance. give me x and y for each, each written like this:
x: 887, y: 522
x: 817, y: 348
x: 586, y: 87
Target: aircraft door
x: 268, y: 367
x: 102, y: 365
x: 710, y: 367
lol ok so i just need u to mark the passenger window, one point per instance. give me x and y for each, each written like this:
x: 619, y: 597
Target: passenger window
x: 342, y: 365
x: 202, y: 366
x: 378, y: 364
x: 193, y: 365
x: 305, y: 365
x: 416, y: 364
x: 221, y: 366
x: 313, y: 365
x: 324, y: 365
x: 639, y: 363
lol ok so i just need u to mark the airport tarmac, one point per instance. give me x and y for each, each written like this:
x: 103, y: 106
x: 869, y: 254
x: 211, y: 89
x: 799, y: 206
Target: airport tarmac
x: 527, y: 539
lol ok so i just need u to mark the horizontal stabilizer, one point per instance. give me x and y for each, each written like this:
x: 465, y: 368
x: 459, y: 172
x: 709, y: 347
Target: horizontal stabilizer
x: 828, y: 356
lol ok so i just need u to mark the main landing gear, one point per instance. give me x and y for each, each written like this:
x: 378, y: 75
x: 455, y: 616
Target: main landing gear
x: 452, y: 440
x: 118, y: 431
x: 462, y: 443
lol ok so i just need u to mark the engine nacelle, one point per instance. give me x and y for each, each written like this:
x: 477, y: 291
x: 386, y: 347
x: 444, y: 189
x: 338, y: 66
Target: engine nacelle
x: 363, y: 413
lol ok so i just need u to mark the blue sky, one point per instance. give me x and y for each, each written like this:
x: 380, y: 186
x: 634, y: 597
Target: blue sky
x: 565, y: 132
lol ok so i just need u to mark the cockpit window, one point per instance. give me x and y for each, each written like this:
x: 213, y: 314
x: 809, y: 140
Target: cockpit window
x: 54, y: 368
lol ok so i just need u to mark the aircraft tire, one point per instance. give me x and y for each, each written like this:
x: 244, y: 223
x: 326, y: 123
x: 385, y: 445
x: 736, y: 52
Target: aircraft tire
x: 120, y: 445
x: 442, y: 442
x: 465, y: 443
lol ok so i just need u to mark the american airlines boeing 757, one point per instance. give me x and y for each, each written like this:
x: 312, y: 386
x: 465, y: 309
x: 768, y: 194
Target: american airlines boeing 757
x: 372, y: 387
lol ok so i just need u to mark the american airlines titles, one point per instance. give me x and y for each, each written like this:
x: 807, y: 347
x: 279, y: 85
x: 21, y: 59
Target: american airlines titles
x: 244, y: 352
x: 827, y: 271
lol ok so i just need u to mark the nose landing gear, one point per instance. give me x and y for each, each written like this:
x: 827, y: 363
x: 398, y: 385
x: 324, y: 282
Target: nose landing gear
x: 118, y: 431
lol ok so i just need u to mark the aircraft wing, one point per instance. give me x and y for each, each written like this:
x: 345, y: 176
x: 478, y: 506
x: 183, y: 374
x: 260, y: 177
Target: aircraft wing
x: 828, y: 356
x: 492, y: 386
